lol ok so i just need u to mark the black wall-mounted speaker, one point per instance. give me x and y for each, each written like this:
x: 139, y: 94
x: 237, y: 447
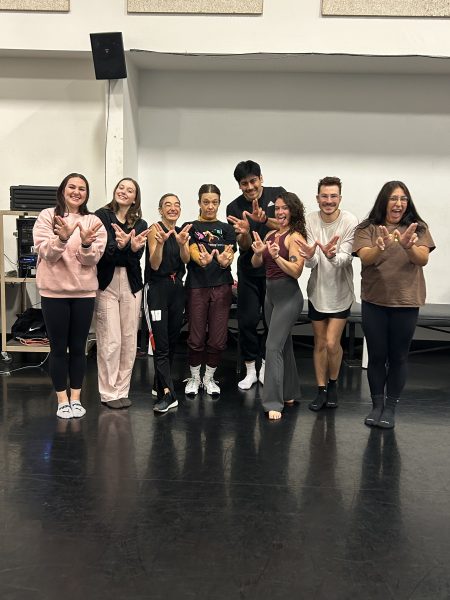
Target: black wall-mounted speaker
x: 108, y: 55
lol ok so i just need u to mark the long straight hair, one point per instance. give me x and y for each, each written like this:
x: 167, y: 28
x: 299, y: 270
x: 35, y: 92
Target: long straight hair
x: 134, y: 212
x: 377, y: 215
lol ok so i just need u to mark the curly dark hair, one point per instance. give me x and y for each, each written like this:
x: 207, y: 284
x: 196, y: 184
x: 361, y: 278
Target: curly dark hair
x: 297, y: 221
x: 377, y: 215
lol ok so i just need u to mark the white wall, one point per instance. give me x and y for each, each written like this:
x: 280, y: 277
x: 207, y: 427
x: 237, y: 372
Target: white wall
x: 52, y: 122
x: 285, y: 26
x: 194, y: 128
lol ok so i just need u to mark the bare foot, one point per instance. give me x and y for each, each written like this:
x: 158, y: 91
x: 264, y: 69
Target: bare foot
x: 274, y: 415
x: 289, y: 402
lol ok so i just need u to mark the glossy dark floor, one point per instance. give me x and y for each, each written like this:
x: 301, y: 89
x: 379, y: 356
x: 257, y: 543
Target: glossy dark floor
x: 213, y: 501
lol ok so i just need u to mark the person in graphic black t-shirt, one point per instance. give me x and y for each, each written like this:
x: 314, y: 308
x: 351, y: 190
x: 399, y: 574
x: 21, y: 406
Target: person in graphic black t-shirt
x: 208, y: 284
x: 252, y: 211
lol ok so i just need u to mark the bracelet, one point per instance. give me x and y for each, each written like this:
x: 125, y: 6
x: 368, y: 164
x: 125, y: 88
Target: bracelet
x: 275, y: 257
x: 86, y: 245
x: 63, y: 241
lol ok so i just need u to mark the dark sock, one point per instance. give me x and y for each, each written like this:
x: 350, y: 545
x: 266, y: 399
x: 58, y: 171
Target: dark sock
x: 387, y: 419
x: 320, y: 400
x: 373, y: 418
x: 332, y: 397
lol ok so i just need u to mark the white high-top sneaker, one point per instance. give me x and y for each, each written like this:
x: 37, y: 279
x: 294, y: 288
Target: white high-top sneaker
x: 209, y: 384
x: 262, y: 372
x: 250, y: 378
x: 193, y: 383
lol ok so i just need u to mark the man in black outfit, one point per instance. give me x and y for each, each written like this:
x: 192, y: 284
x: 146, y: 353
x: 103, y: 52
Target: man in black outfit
x: 253, y: 210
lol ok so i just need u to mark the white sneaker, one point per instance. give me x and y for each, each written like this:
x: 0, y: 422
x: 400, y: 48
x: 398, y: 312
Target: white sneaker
x: 262, y: 372
x: 192, y: 386
x: 64, y: 411
x: 211, y: 386
x: 249, y: 380
x: 77, y: 409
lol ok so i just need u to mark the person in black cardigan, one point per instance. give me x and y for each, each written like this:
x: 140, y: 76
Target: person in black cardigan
x: 118, y: 299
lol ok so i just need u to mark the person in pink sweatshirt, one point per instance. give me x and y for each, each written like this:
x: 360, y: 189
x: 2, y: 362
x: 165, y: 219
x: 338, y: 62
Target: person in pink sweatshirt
x: 69, y: 242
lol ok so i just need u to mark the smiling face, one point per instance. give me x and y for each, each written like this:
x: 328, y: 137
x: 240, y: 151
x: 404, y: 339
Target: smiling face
x: 329, y: 199
x: 75, y: 194
x: 282, y: 213
x: 170, y: 209
x: 209, y: 205
x: 396, y: 206
x: 251, y: 187
x: 125, y: 193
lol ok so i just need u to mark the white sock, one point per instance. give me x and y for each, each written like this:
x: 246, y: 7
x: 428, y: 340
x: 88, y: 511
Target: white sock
x: 262, y: 372
x: 195, y: 372
x: 209, y: 372
x: 250, y: 378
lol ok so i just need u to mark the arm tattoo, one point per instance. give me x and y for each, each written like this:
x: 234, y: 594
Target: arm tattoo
x: 293, y: 258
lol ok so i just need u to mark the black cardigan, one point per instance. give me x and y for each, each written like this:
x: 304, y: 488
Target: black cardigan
x: 114, y: 257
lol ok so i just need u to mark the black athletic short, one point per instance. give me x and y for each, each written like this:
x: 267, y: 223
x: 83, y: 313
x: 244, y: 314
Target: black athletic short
x: 315, y: 315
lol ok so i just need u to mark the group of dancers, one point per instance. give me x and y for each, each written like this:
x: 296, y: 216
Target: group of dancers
x: 90, y: 263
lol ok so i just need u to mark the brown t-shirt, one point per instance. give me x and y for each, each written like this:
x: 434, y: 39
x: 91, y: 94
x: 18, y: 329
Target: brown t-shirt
x: 393, y: 280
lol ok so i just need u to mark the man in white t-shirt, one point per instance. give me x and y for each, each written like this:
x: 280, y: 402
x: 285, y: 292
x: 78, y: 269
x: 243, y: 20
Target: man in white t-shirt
x: 328, y: 253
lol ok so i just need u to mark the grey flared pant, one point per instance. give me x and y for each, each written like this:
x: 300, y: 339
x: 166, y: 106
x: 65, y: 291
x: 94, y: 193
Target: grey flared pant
x: 283, y: 305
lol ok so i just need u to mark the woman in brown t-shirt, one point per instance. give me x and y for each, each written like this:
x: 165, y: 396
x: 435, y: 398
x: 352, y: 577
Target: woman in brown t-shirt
x: 393, y: 244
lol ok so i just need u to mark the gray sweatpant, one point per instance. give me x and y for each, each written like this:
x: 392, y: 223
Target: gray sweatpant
x: 283, y: 305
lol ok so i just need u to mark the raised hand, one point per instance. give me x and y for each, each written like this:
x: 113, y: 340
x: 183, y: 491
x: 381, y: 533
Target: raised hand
x: 162, y: 236
x: 258, y: 245
x: 63, y: 229
x: 408, y: 238
x: 89, y: 235
x: 225, y: 257
x: 257, y: 213
x: 273, y: 248
x: 122, y: 238
x: 204, y: 257
x: 183, y: 236
x: 137, y: 242
x: 240, y: 226
x: 306, y: 251
x: 329, y: 249
x: 384, y: 239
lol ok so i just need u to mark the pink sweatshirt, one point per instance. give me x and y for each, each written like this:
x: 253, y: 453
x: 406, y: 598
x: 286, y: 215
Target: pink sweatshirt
x: 66, y: 270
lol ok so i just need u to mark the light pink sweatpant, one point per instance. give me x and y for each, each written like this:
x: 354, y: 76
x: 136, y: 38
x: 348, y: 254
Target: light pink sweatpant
x: 117, y: 314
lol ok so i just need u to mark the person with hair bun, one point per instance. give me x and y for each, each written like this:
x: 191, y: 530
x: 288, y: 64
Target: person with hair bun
x: 393, y: 244
x: 280, y: 254
x: 165, y: 266
x: 69, y: 242
x: 119, y: 296
x: 208, y: 284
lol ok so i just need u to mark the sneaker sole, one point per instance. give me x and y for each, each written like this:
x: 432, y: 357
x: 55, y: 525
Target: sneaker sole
x: 163, y: 410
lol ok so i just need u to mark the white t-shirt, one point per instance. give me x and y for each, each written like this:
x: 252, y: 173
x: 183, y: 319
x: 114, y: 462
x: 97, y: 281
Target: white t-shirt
x: 330, y: 286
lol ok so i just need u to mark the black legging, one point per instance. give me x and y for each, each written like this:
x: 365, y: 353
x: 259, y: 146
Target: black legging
x: 67, y: 321
x: 388, y: 332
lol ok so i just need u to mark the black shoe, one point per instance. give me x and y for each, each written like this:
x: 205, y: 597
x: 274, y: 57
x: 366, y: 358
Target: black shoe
x: 387, y: 419
x: 373, y: 418
x: 332, y: 397
x: 168, y: 401
x: 126, y: 402
x: 113, y: 404
x: 319, y: 401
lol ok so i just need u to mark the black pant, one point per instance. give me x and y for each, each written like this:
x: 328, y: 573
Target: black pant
x: 67, y: 321
x: 165, y: 301
x: 250, y: 306
x: 388, y: 332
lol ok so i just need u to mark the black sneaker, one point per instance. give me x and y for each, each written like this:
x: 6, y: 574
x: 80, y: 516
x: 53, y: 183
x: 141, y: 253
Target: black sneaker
x: 168, y: 401
x: 319, y: 401
x: 332, y: 397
